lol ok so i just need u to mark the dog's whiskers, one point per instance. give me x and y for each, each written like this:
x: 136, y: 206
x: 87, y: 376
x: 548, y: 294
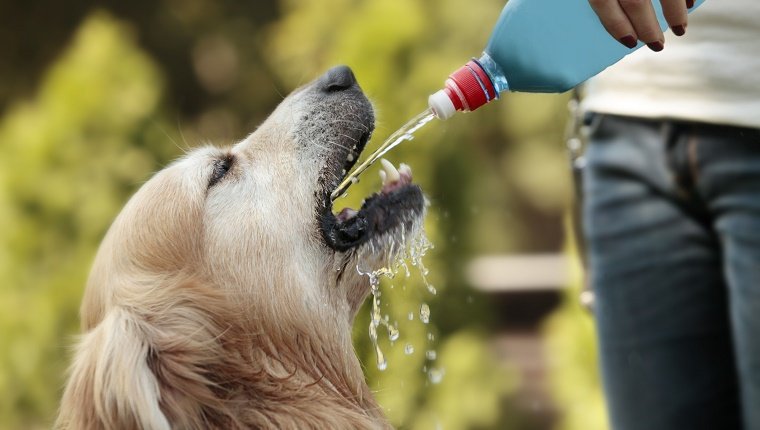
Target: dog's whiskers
x: 317, y: 144
x: 353, y: 139
x: 339, y: 145
x: 362, y: 126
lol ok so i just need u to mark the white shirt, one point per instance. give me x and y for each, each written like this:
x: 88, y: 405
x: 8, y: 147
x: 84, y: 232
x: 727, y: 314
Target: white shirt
x: 711, y: 74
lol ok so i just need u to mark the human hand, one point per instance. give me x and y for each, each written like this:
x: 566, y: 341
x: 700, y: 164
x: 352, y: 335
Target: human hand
x: 632, y: 20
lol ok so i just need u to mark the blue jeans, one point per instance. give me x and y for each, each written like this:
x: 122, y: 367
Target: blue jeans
x: 672, y: 221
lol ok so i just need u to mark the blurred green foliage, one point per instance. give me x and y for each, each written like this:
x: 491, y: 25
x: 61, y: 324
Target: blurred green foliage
x: 69, y: 159
x: 572, y: 352
x: 128, y: 94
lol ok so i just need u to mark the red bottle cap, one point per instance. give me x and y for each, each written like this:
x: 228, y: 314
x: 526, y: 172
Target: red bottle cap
x: 467, y: 89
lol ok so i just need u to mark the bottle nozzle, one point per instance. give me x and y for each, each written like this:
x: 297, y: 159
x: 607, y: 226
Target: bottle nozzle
x: 441, y: 105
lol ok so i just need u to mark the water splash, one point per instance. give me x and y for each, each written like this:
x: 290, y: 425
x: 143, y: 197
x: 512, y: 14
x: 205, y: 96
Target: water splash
x: 406, y: 132
x: 375, y: 320
x: 399, y: 251
x: 423, y: 273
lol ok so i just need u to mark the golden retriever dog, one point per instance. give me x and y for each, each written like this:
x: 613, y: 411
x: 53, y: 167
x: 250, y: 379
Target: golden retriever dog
x: 224, y: 293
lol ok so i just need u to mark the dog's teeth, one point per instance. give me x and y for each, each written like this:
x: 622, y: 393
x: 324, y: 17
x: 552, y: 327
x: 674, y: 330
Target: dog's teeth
x: 405, y: 170
x: 343, y: 172
x: 390, y: 170
x: 383, y: 176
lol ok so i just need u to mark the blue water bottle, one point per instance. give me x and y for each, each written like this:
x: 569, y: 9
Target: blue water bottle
x: 529, y: 52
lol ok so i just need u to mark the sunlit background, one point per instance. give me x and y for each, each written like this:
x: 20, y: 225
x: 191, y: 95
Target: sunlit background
x: 95, y: 96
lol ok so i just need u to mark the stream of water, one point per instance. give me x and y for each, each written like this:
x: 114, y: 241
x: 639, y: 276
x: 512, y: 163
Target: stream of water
x: 406, y: 132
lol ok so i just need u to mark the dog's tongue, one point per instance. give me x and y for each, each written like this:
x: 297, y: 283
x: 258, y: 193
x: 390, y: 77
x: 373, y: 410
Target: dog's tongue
x: 392, y: 178
x: 346, y: 214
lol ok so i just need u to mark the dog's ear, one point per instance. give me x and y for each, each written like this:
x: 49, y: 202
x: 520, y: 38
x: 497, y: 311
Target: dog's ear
x: 150, y: 364
x: 111, y: 384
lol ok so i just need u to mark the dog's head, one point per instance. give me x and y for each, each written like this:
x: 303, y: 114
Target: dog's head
x: 241, y: 246
x: 257, y: 220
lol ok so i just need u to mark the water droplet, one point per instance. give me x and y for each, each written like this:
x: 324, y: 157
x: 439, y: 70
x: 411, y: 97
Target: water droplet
x: 393, y: 333
x: 408, y: 349
x: 431, y: 354
x: 382, y: 364
x: 435, y: 376
x: 411, y: 316
x: 425, y: 313
x: 431, y: 337
x: 406, y: 270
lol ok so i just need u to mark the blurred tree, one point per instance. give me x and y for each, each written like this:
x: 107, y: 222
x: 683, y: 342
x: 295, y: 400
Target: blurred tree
x: 69, y: 159
x: 181, y: 36
x: 33, y: 34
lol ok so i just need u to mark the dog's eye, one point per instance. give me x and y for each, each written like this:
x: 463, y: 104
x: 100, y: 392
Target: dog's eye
x: 221, y: 167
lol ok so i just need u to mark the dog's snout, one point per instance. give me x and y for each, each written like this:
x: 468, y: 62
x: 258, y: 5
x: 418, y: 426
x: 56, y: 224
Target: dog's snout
x: 338, y: 78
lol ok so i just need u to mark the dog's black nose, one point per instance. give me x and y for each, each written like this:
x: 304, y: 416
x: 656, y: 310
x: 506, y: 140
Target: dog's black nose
x: 338, y: 78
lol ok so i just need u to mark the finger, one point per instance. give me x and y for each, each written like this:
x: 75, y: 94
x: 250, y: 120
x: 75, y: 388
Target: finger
x: 615, y: 21
x: 676, y: 15
x: 642, y: 16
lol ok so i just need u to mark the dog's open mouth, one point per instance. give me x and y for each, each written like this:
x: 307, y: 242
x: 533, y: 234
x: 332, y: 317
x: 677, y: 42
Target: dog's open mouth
x: 398, y: 204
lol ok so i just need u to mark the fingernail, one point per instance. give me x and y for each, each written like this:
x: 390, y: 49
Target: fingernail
x: 678, y: 30
x: 689, y: 4
x: 629, y: 41
x: 656, y: 46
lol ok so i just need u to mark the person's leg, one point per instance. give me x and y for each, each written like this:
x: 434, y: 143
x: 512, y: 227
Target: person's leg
x: 729, y: 160
x: 660, y: 299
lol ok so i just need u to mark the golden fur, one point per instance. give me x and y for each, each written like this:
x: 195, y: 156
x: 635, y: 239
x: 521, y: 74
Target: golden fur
x: 220, y: 306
